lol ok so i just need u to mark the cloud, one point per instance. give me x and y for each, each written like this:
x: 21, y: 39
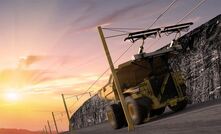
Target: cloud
x: 48, y: 67
x: 28, y: 60
x: 23, y: 81
x: 18, y: 78
x: 73, y: 84
x: 113, y: 16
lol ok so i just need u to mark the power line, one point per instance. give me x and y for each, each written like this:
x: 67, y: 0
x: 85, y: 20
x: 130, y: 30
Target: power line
x: 60, y: 113
x: 105, y: 72
x: 122, y: 28
x: 109, y: 68
x: 199, y: 4
x: 171, y: 4
x: 117, y: 35
x: 72, y: 96
x: 116, y: 30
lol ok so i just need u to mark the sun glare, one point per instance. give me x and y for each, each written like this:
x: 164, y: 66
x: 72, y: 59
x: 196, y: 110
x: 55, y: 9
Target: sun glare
x: 12, y: 96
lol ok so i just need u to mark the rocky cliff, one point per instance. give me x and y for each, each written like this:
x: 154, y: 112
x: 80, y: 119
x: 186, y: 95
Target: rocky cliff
x: 200, y: 61
x: 200, y: 64
x: 90, y: 113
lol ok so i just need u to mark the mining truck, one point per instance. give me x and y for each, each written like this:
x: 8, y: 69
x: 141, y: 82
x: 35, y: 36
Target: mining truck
x: 148, y: 83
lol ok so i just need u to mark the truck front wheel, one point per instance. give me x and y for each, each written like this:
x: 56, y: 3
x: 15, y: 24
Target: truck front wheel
x: 115, y: 116
x: 138, y: 109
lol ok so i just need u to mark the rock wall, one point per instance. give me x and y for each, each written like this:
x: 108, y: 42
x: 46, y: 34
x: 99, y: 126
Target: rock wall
x: 200, y: 64
x: 92, y: 112
x: 201, y: 61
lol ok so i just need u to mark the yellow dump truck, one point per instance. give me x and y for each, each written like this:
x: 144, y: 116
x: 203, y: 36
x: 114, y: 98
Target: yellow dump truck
x: 148, y: 84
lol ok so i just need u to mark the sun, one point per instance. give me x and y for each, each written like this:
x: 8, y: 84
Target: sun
x: 12, y: 95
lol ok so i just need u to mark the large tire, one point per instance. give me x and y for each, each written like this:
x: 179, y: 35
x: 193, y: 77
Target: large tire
x: 138, y: 109
x: 179, y: 106
x: 115, y: 116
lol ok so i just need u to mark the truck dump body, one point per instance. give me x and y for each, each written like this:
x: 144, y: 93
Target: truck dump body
x: 134, y: 72
x: 148, y: 66
x: 154, y: 69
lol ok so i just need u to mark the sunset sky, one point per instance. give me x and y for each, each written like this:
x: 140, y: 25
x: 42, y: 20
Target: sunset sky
x: 50, y: 47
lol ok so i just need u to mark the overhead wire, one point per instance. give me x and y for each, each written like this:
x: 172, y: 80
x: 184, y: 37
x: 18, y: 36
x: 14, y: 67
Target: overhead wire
x: 116, y: 30
x: 171, y: 4
x: 197, y: 6
x: 109, y: 68
x: 93, y: 82
x: 121, y: 28
x: 75, y: 95
x: 117, y: 35
x: 104, y: 73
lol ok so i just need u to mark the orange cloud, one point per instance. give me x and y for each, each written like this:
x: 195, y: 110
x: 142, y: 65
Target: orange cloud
x: 28, y: 60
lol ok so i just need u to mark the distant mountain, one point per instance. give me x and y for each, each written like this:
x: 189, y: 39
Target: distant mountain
x: 17, y: 131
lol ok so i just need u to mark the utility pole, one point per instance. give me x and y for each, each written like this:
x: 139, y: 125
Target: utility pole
x: 46, y: 130
x: 116, y: 81
x: 68, y: 116
x: 49, y: 127
x: 43, y: 131
x: 55, y: 124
